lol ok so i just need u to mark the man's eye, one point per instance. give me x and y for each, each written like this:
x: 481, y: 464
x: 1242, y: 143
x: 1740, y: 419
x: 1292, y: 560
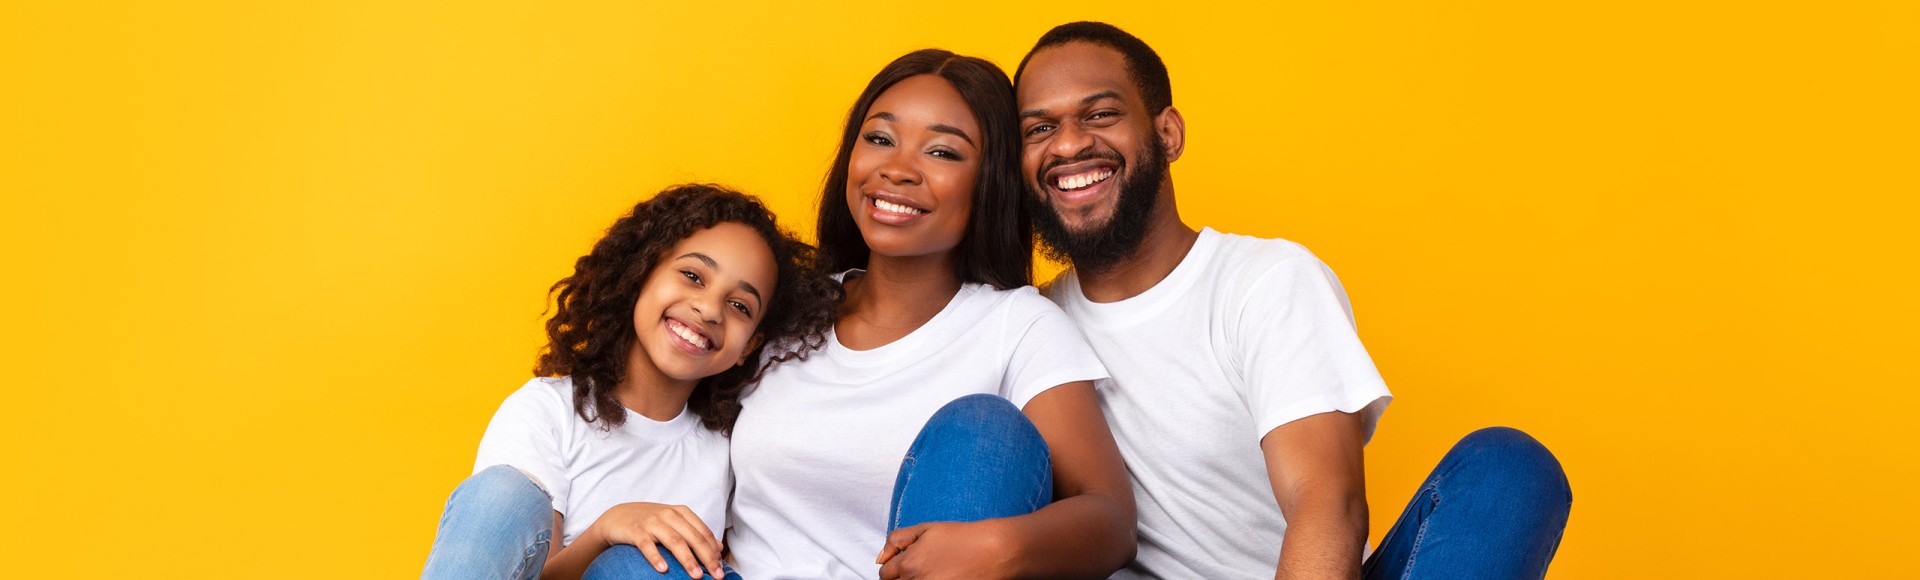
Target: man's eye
x: 1038, y: 129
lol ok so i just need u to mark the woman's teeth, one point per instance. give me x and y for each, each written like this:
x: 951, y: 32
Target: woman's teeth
x: 688, y: 335
x: 891, y: 207
x: 1073, y: 182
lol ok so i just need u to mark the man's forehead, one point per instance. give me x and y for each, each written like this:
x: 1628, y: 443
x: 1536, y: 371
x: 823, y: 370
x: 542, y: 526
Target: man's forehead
x: 1060, y: 75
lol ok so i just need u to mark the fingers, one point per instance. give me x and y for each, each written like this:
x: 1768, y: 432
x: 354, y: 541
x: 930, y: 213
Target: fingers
x: 690, y: 542
x: 898, y: 542
x: 652, y: 552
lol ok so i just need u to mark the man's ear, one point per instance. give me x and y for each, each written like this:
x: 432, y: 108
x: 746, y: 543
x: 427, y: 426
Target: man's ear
x: 753, y: 344
x: 1172, y: 129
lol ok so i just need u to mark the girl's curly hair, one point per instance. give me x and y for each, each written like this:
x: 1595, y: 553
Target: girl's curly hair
x: 592, y: 330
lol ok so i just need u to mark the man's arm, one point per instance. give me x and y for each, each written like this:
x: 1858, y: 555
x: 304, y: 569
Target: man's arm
x: 1316, y: 469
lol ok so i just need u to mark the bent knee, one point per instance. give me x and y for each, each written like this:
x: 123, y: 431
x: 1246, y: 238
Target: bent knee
x: 1517, y: 461
x: 976, y: 412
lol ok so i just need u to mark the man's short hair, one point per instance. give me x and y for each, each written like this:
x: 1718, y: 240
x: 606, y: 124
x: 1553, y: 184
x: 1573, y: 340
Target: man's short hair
x: 1143, y: 65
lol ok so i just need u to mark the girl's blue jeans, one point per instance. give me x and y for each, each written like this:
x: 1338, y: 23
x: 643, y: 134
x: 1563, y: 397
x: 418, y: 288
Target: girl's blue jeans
x: 1494, y: 508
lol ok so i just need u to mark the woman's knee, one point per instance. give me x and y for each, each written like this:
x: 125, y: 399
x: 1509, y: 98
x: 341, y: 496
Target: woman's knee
x: 978, y: 415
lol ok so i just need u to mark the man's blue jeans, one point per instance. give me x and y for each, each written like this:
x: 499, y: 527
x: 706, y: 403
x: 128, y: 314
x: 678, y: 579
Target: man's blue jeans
x: 977, y: 458
x: 1493, y: 509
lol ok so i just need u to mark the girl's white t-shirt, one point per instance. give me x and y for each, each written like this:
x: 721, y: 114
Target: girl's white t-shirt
x: 820, y: 441
x: 587, y: 469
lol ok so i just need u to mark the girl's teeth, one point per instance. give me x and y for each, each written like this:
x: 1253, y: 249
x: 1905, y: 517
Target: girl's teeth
x: 891, y: 207
x: 689, y: 336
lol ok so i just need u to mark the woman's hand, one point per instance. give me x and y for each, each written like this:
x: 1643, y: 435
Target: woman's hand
x: 649, y: 525
x: 946, y: 550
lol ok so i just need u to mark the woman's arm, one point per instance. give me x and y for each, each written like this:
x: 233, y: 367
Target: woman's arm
x: 1088, y: 531
x: 642, y: 525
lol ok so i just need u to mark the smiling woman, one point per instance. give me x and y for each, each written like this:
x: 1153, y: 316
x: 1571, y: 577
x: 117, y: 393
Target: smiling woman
x: 946, y: 379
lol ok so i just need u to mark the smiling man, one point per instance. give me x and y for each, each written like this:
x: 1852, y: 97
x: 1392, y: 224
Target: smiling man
x: 1240, y: 395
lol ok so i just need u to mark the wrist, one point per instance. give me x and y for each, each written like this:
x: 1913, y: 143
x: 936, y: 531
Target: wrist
x: 1004, y: 540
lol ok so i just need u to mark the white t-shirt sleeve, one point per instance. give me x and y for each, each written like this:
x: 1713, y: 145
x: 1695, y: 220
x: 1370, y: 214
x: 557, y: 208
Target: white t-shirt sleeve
x: 1051, y: 352
x: 528, y: 434
x: 1298, y: 349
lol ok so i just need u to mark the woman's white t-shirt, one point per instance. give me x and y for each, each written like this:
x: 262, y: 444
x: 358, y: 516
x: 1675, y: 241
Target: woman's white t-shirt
x: 820, y: 441
x: 587, y: 469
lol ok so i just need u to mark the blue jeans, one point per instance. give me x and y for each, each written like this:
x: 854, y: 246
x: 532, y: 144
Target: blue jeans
x: 1493, y: 509
x: 497, y: 524
x: 977, y: 458
x: 625, y: 562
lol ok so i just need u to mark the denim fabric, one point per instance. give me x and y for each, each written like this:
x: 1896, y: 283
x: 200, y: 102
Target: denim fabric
x: 625, y: 562
x: 977, y: 458
x: 497, y: 525
x: 1494, y: 509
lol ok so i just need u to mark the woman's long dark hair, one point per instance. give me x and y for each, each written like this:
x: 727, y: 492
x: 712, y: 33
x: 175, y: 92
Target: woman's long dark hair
x: 997, y: 248
x: 592, y: 326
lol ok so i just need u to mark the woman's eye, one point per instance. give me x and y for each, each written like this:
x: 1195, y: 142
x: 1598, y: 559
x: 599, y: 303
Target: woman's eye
x: 946, y: 154
x: 691, y: 277
x: 879, y: 139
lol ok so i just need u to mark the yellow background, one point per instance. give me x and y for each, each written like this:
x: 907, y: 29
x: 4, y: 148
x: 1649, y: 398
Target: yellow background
x: 271, y: 266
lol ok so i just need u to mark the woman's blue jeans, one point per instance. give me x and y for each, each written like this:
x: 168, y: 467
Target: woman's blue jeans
x: 977, y: 458
x: 1493, y: 509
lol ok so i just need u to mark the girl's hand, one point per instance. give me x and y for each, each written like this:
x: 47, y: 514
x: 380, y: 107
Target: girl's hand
x: 945, y: 550
x: 649, y: 525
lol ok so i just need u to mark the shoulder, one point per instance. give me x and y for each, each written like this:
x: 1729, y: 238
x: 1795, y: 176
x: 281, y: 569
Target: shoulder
x: 1018, y: 304
x: 1240, y: 261
x: 541, y: 396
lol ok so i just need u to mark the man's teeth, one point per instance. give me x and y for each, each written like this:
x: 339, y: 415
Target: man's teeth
x: 1072, y: 182
x: 890, y: 207
x: 688, y: 335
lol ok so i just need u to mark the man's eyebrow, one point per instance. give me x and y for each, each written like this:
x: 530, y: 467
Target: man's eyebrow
x: 1090, y: 99
x: 703, y: 258
x: 950, y: 129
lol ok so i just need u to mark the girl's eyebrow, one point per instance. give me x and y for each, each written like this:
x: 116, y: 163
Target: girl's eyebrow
x: 748, y: 288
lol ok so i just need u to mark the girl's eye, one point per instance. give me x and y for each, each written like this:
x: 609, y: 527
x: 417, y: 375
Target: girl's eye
x: 878, y: 139
x: 691, y: 277
x: 742, y: 307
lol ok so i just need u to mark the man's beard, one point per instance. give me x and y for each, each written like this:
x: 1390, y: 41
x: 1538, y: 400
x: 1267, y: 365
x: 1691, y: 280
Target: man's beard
x: 1101, y: 247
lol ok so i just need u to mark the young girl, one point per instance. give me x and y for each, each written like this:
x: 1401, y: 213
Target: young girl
x: 622, y: 442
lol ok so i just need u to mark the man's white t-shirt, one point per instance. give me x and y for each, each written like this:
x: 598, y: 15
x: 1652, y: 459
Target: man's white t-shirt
x: 820, y: 441
x: 587, y: 469
x: 1245, y: 335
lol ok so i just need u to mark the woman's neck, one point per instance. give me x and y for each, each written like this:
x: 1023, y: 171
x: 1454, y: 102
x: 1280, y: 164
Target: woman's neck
x: 895, y: 297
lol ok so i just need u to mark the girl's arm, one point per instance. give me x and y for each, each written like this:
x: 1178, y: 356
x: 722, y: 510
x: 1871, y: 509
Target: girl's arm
x: 642, y: 525
x: 1087, y: 532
